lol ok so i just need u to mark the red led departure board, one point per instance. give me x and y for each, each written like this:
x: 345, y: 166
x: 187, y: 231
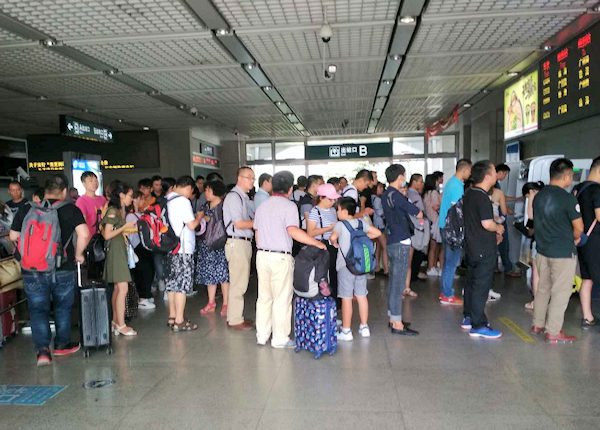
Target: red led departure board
x: 569, y: 84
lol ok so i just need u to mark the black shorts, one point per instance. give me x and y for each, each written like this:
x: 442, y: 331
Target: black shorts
x: 589, y: 265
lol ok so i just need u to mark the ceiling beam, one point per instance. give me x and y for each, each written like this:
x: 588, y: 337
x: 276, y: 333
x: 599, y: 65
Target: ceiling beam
x: 501, y: 14
x: 243, y: 31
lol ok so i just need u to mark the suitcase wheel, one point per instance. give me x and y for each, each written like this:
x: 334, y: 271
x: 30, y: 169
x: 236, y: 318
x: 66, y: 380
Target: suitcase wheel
x: 109, y: 351
x: 86, y: 353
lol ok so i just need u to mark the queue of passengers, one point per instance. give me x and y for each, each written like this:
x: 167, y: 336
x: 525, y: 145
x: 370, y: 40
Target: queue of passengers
x: 282, y: 217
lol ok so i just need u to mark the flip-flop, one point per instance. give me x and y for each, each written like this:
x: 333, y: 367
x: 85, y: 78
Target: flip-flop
x: 409, y: 293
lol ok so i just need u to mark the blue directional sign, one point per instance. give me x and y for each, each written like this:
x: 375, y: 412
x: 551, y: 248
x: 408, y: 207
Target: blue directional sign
x: 85, y: 129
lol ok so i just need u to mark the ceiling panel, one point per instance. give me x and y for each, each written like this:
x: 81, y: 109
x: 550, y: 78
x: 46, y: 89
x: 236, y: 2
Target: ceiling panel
x: 307, y: 45
x: 457, y: 64
x: 458, y: 6
x: 35, y: 61
x: 324, y: 92
x: 84, y: 18
x: 245, y: 13
x: 8, y: 37
x: 71, y: 86
x: 487, y: 33
x: 200, y: 79
x: 434, y: 86
x: 313, y: 73
x: 219, y: 97
x: 159, y: 53
x: 125, y: 101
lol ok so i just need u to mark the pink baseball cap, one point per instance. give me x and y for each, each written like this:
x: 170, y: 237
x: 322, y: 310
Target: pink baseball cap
x: 328, y: 190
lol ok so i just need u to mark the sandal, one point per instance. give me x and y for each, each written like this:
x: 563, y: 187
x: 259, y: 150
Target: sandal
x: 129, y: 332
x: 210, y: 307
x: 529, y: 305
x: 170, y: 322
x: 409, y: 293
x: 184, y: 326
x: 224, y: 311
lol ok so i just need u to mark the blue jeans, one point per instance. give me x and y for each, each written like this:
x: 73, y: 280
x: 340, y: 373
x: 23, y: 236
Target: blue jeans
x: 504, y: 248
x: 42, y: 289
x: 399, y: 257
x: 451, y: 262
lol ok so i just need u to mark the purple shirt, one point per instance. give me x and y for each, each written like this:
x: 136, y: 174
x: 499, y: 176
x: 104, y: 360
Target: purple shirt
x: 271, y: 221
x: 89, y: 207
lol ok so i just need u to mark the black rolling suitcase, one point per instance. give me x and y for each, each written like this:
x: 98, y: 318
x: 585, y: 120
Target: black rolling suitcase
x: 94, y: 320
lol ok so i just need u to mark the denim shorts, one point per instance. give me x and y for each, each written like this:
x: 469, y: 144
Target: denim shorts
x: 349, y: 284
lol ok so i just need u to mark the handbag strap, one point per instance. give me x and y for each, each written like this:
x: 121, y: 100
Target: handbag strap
x: 592, y: 227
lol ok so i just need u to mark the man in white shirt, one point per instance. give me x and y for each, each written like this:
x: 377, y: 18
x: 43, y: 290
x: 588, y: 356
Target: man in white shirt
x: 265, y: 183
x: 180, y: 265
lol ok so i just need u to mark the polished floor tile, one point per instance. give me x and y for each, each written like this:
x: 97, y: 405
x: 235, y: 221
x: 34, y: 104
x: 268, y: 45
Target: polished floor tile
x: 218, y: 378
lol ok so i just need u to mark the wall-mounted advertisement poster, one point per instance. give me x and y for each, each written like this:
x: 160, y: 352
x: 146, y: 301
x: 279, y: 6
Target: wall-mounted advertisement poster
x: 521, y: 106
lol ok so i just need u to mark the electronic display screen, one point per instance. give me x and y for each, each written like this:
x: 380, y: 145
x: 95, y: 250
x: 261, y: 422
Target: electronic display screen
x: 569, y: 82
x: 80, y: 166
x: 521, y: 106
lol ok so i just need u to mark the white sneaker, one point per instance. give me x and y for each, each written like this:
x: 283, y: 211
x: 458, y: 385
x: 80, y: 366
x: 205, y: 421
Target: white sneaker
x: 370, y: 276
x: 422, y: 276
x: 165, y: 297
x: 151, y: 299
x: 433, y: 272
x: 345, y: 336
x: 289, y: 344
x: 146, y: 304
x: 493, y: 296
x: 364, y: 331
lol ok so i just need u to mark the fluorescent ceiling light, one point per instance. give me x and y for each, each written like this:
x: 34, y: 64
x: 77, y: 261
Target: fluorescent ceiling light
x: 407, y: 19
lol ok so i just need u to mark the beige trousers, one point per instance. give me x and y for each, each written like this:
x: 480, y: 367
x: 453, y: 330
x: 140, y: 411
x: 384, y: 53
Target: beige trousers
x: 554, y: 290
x: 275, y: 291
x: 238, y: 253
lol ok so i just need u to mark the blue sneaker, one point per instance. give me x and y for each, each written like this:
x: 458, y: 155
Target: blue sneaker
x: 486, y: 333
x: 466, y: 323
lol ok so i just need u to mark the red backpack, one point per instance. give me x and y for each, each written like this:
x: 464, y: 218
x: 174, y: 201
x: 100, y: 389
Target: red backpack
x: 155, y: 231
x: 40, y: 246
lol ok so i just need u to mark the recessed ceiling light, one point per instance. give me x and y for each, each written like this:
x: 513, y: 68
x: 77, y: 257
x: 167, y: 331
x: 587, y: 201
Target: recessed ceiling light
x: 146, y: 128
x: 48, y: 42
x: 290, y: 115
x: 182, y: 107
x: 249, y: 66
x: 42, y: 98
x: 547, y: 48
x: 485, y: 91
x: 222, y: 32
x: 120, y: 121
x: 86, y: 110
x: 387, y: 82
x: 377, y: 110
x: 382, y: 98
x: 407, y: 19
x: 395, y: 57
x: 111, y: 72
x: 467, y: 105
x: 267, y: 88
x: 332, y: 68
x: 279, y: 103
x: 513, y: 74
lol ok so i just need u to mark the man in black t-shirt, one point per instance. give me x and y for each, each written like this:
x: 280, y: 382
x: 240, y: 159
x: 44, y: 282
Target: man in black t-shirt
x: 60, y: 284
x: 15, y: 190
x: 588, y: 196
x: 482, y: 235
x: 558, y: 228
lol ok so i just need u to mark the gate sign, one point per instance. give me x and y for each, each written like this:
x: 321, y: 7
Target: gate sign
x: 348, y: 150
x: 85, y: 129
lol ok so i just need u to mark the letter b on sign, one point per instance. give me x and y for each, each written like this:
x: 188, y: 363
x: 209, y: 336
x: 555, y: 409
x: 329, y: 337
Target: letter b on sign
x: 362, y: 150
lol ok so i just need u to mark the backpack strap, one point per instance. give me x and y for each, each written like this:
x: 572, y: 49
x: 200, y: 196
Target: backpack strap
x: 231, y: 222
x: 576, y: 192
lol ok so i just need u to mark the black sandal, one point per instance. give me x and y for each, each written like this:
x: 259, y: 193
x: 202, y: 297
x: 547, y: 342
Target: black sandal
x: 169, y: 323
x: 184, y: 326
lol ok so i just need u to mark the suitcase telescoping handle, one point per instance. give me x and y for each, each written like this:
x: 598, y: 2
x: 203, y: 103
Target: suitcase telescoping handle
x: 79, y: 274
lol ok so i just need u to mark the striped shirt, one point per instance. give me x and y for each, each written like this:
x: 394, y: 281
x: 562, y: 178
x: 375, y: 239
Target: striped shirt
x: 323, y: 218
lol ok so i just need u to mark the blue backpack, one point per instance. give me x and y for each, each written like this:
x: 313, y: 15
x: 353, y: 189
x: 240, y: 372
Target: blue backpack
x: 361, y: 258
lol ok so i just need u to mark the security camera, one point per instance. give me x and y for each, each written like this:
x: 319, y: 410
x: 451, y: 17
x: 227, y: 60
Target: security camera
x: 194, y: 111
x: 327, y: 76
x: 326, y: 32
x: 236, y: 132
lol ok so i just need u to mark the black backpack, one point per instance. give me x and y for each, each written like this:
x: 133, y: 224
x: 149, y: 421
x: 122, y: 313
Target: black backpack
x: 454, y: 231
x: 215, y: 236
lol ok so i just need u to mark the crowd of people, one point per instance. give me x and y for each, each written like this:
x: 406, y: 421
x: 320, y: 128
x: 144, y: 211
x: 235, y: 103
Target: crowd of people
x: 410, y: 219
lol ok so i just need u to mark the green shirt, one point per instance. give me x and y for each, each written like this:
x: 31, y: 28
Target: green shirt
x: 554, y: 209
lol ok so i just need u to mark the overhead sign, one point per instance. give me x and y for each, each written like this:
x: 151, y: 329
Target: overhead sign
x: 348, y: 150
x: 521, y: 106
x: 570, y: 81
x: 44, y: 166
x: 85, y: 129
x: 204, y: 161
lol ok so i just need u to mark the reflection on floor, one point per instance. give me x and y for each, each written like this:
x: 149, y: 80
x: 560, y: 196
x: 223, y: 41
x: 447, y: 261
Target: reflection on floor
x: 219, y: 378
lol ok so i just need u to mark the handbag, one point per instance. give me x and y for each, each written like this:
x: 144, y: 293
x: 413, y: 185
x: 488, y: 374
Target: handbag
x: 10, y: 271
x: 131, y: 302
x: 96, y: 248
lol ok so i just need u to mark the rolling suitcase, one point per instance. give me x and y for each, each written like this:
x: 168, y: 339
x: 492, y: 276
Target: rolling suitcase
x: 94, y: 320
x: 8, y: 317
x: 315, y: 325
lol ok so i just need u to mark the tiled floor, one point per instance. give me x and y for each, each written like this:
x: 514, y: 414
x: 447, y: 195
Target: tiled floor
x: 218, y: 378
